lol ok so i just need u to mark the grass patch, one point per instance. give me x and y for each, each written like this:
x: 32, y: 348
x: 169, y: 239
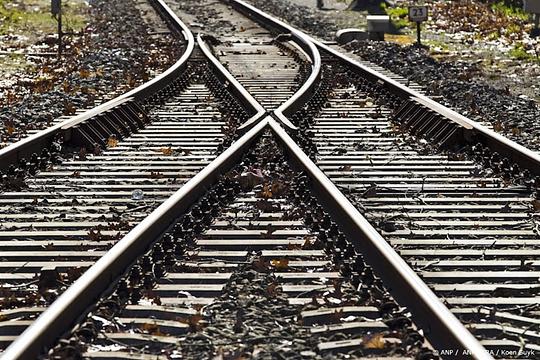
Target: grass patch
x: 520, y: 53
x: 398, y: 15
x: 509, y: 11
x: 13, y: 62
x: 31, y: 16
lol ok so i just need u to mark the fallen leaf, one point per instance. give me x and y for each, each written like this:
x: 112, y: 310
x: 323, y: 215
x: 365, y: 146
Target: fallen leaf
x: 194, y: 322
x: 278, y: 188
x: 308, y: 243
x: 266, y: 191
x: 292, y: 246
x: 73, y: 273
x: 261, y: 265
x: 69, y: 108
x: 112, y: 141
x: 152, y: 329
x: 337, y: 315
x: 536, y: 205
x: 374, y: 342
x: 272, y: 289
x: 280, y: 264
x: 10, y: 126
x: 167, y: 151
x: 84, y: 74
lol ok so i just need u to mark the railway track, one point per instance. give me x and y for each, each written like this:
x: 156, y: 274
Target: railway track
x: 253, y: 224
x: 96, y: 186
x: 468, y: 232
x: 243, y: 252
x: 463, y: 216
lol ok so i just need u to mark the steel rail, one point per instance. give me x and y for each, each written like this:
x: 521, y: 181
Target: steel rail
x: 441, y: 327
x: 231, y: 84
x: 36, y: 142
x: 518, y: 153
x: 79, y: 298
x: 99, y: 278
x: 302, y: 95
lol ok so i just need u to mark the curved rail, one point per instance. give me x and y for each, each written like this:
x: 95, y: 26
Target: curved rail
x: 442, y: 327
x: 518, y: 153
x: 252, y: 105
x: 295, y: 102
x: 78, y: 299
x: 34, y: 143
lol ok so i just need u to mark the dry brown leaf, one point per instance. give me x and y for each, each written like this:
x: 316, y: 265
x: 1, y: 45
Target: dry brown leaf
x: 69, y: 108
x: 374, y: 342
x: 152, y: 329
x: 337, y: 315
x: 536, y: 205
x: 10, y: 126
x: 261, y: 265
x: 193, y: 321
x: 112, y: 141
x: 167, y: 151
x: 280, y: 264
x: 272, y: 289
x: 11, y: 97
x: 308, y: 243
x: 94, y: 235
x: 73, y: 273
x: 266, y: 191
x: 84, y: 74
x: 278, y: 188
x: 291, y: 246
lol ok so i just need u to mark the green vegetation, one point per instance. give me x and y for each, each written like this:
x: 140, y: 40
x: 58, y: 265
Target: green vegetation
x: 509, y: 10
x: 30, y: 16
x: 398, y: 15
x: 520, y: 53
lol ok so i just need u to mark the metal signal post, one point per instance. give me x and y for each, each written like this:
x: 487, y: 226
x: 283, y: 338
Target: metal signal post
x: 56, y: 10
x: 418, y: 14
